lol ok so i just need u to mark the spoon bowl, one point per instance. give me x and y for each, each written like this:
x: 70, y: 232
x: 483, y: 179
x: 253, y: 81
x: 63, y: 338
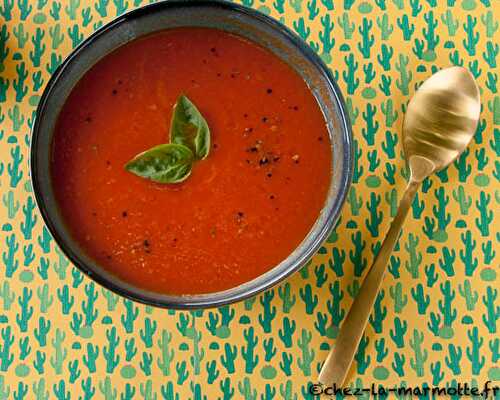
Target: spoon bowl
x: 441, y: 120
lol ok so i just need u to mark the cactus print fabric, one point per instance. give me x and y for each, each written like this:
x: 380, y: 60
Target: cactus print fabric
x: 436, y: 319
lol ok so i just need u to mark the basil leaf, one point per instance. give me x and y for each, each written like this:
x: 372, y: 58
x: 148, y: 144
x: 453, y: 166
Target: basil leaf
x: 188, y: 127
x: 166, y: 163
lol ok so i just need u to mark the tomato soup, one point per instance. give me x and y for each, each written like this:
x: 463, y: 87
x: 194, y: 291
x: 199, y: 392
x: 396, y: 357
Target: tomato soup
x: 242, y: 210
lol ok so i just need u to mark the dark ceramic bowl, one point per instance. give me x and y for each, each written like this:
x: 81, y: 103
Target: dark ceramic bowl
x: 202, y: 13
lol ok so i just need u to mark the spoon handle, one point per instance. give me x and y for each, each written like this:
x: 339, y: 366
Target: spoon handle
x: 338, y: 362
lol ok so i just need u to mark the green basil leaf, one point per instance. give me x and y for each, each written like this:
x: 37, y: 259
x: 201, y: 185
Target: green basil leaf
x: 188, y: 127
x: 166, y: 163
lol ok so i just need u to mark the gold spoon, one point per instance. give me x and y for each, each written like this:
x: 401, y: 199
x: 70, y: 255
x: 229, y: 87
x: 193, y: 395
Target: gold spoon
x: 440, y: 121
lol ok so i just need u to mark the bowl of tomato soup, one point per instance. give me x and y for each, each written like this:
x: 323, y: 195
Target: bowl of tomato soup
x: 249, y: 214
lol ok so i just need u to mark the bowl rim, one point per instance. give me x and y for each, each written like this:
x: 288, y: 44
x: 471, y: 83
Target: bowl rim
x: 256, y: 285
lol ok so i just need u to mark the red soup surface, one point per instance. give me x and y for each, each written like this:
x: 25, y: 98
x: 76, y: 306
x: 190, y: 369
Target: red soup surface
x: 243, y: 210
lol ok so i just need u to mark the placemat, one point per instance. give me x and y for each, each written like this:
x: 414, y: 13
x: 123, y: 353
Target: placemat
x: 435, y: 321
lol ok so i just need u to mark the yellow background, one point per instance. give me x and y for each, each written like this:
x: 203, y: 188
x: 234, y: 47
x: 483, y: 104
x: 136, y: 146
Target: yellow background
x: 36, y: 35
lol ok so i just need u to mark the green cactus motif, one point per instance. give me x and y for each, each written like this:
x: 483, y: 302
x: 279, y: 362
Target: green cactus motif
x: 494, y: 107
x: 326, y: 38
x: 62, y: 264
x: 453, y: 359
x: 6, y: 11
x: 431, y: 39
x: 385, y: 27
x: 415, y: 258
x: 198, y: 354
x: 131, y: 314
x: 228, y: 358
x: 490, y: 24
x: 417, y: 362
x: 356, y: 255
x: 4, y: 50
x: 56, y: 36
x: 449, y: 313
x: 226, y: 388
x: 287, y: 298
x: 357, y: 167
x: 148, y: 332
x: 59, y: 353
x: 7, y: 295
x: 71, y: 9
x: 167, y: 391
x: 167, y: 353
x: 372, y: 125
x: 11, y: 204
x: 349, y: 75
x: 26, y: 312
x: 107, y: 390
x: 286, y: 333
x: 450, y: 22
x: 488, y: 252
x: 109, y: 351
x: 89, y: 359
x: 420, y: 298
x: 75, y: 35
x: 301, y: 28
x: 310, y: 300
x: 392, y: 200
x: 400, y: 300
x: 472, y: 38
x: 405, y: 76
x: 347, y: 27
x: 362, y: 359
x: 39, y: 362
x: 462, y: 199
x: 473, y: 351
x: 312, y: 8
x: 41, y: 331
x: 466, y: 255
x: 334, y: 306
x: 307, y: 353
x: 406, y: 27
x: 44, y: 297
x: 379, y: 313
x: 485, y: 215
x: 21, y: 35
x: 354, y: 201
x: 6, y: 357
x: 67, y: 300
x: 375, y: 218
x: 447, y: 260
x: 470, y: 296
x: 492, y: 313
x: 38, y: 47
x: 111, y: 299
x: 416, y: 7
x: 86, y: 16
x: 491, y: 53
x: 384, y: 59
x: 247, y: 351
x: 367, y: 38
x: 269, y: 311
x: 101, y: 7
x: 245, y: 389
x: 398, y: 333
x: 40, y: 391
x: 286, y: 391
x: 398, y: 364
